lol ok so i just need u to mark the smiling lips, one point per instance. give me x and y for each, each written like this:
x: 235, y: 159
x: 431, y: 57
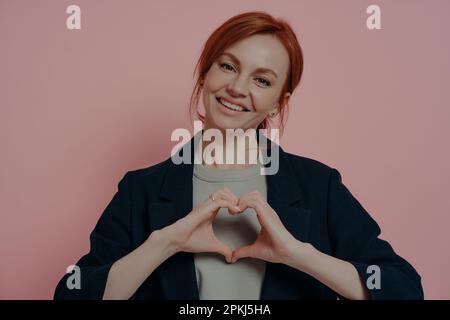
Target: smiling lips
x: 232, y: 106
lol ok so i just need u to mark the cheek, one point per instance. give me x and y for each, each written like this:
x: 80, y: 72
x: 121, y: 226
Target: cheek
x: 216, y: 79
x: 264, y: 100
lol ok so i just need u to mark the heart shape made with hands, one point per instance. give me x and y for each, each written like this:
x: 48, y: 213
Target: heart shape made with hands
x: 236, y: 229
x: 261, y: 235
x: 243, y: 231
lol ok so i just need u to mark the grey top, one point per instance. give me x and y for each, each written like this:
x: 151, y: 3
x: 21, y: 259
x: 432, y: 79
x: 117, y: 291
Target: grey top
x: 216, y: 279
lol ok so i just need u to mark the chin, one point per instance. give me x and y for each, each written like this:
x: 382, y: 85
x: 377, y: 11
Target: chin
x: 223, y: 126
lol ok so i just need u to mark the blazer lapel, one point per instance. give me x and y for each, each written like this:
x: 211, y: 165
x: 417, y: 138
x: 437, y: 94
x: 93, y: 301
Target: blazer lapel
x: 177, y: 274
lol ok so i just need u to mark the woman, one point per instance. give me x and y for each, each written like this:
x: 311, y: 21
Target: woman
x: 295, y: 234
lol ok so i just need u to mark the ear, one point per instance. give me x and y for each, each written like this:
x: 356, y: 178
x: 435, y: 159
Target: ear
x: 286, y: 97
x: 276, y: 108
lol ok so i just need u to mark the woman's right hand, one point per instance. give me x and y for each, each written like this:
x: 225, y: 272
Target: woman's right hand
x: 194, y: 232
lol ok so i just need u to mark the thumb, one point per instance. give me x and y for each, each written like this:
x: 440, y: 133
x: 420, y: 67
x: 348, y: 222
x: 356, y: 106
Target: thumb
x: 242, y: 252
x: 223, y: 249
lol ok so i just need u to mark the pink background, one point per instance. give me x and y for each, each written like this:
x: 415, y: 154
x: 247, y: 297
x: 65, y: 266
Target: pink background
x: 80, y: 108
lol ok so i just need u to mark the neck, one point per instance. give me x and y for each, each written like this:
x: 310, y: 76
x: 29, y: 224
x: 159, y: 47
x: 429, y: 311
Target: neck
x: 229, y: 150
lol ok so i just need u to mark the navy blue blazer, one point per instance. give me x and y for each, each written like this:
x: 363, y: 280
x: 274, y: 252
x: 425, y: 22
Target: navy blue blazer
x: 311, y: 200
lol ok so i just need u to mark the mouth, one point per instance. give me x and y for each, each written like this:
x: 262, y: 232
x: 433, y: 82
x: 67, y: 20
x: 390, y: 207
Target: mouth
x: 231, y: 106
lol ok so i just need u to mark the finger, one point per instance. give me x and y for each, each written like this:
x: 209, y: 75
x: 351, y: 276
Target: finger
x: 255, y: 195
x: 242, y: 252
x: 265, y: 208
x: 226, y: 193
x: 246, y: 196
x: 231, y: 195
x: 232, y: 207
x: 224, y: 250
x: 247, y: 202
x: 267, y: 217
x: 214, y: 206
x: 218, y: 194
x: 249, y: 194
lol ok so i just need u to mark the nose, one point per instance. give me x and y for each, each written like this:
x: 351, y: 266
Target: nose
x: 238, y: 87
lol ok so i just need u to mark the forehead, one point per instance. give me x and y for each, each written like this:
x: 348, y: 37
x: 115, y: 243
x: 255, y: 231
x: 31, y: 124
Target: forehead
x: 261, y: 51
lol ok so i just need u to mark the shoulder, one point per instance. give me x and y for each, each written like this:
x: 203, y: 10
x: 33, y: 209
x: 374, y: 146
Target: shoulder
x: 316, y: 177
x: 153, y: 170
x: 146, y: 177
x: 313, y: 177
x: 309, y: 168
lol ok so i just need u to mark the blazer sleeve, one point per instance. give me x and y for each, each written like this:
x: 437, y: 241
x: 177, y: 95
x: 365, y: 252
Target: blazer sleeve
x: 109, y: 241
x: 354, y: 236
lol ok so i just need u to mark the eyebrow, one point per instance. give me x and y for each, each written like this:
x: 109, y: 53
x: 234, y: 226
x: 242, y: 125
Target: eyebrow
x: 236, y: 60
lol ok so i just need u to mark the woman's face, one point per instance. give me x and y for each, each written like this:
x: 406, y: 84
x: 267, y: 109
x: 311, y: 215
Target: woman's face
x: 248, y: 76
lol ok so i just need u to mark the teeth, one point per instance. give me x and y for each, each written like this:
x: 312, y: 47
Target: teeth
x: 231, y: 106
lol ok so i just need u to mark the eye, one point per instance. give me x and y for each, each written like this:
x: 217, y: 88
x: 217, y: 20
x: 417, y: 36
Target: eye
x: 264, y: 82
x: 226, y: 66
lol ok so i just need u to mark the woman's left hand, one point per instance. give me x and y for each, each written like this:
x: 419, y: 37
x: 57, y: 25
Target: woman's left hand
x: 274, y: 243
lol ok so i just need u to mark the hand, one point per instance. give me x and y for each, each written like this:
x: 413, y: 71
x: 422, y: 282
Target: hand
x: 274, y: 243
x: 194, y: 232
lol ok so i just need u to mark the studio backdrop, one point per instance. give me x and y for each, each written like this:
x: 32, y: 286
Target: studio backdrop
x: 92, y: 89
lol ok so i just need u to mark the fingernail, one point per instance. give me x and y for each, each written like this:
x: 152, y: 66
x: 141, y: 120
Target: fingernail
x: 237, y: 208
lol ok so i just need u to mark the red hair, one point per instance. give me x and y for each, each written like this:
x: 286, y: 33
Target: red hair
x: 240, y: 27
